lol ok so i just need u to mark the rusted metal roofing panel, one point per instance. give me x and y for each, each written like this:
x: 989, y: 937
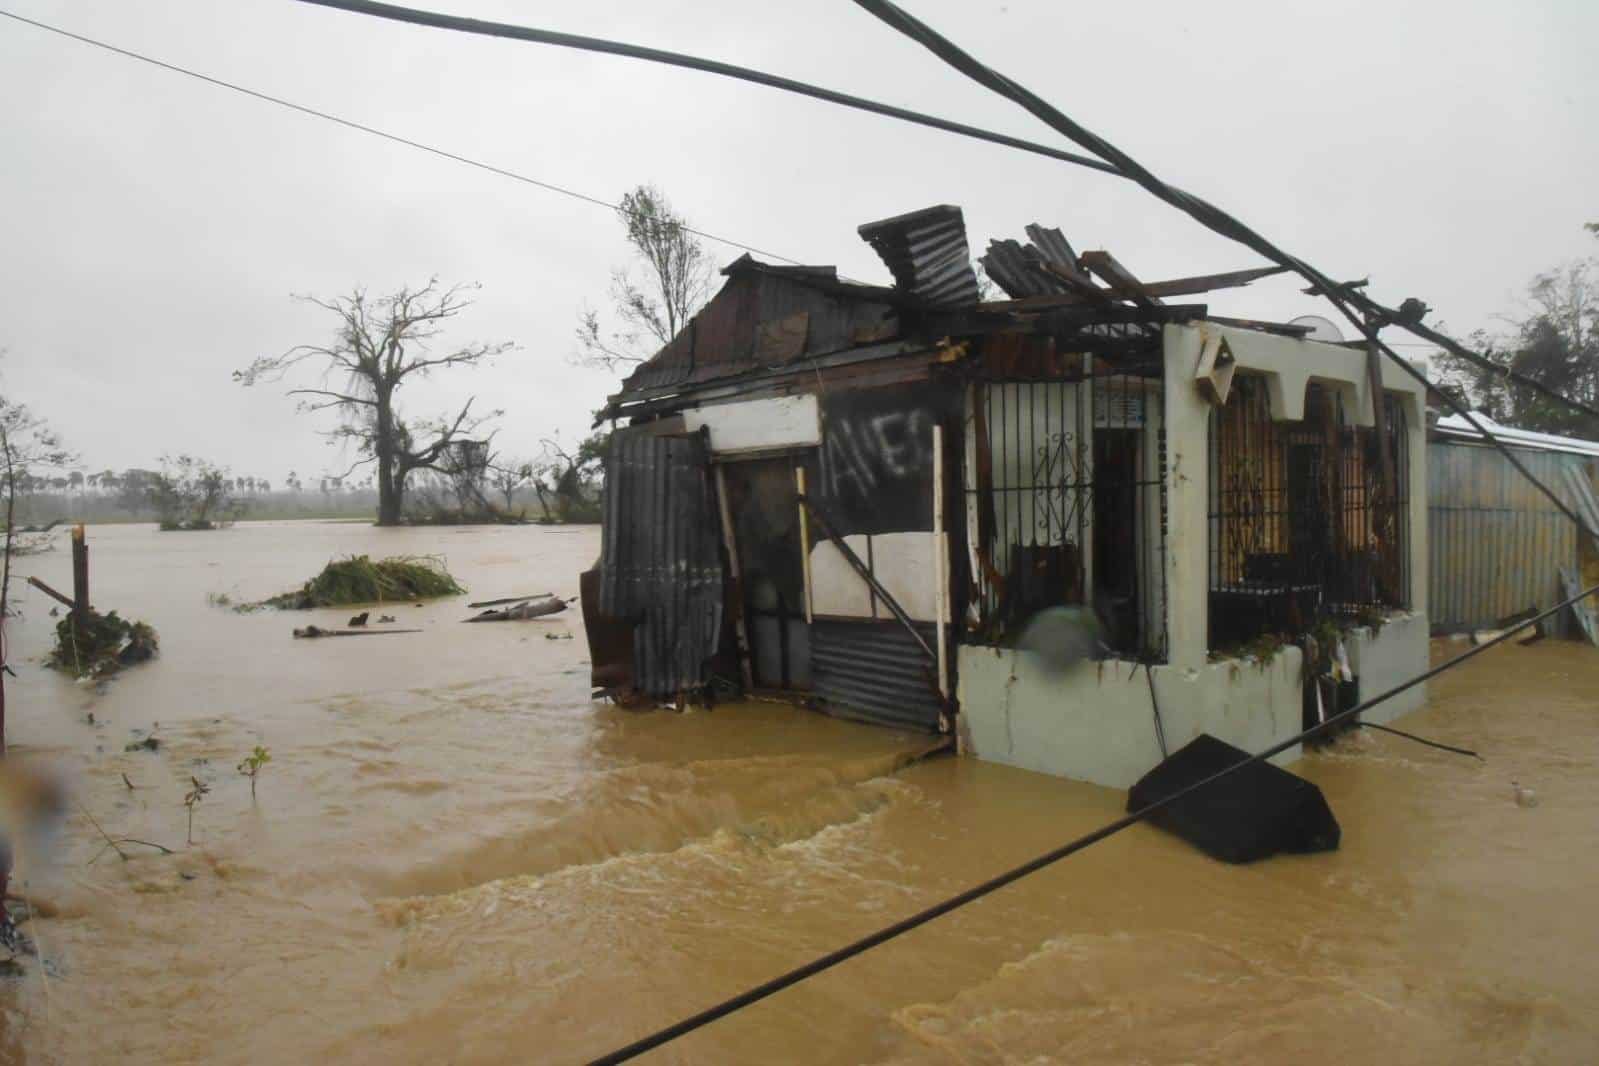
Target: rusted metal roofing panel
x: 926, y: 252
x: 660, y: 557
x: 875, y: 672
x: 724, y: 338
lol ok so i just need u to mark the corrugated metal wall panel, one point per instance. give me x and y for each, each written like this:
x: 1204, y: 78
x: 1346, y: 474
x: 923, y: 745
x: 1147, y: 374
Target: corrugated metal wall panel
x: 876, y: 672
x: 1496, y: 542
x: 660, y: 557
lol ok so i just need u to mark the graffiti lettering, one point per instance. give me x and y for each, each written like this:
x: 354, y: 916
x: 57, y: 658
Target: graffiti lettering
x: 865, y: 451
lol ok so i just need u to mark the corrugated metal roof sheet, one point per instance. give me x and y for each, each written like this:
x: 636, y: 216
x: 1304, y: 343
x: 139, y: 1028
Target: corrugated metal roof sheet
x: 1015, y: 269
x: 926, y: 252
x: 1458, y: 427
x: 660, y: 557
x: 721, y: 340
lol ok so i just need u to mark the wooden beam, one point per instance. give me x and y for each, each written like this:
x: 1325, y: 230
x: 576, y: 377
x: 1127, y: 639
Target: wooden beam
x: 1231, y: 279
x: 1104, y: 266
x: 65, y: 601
x: 1082, y: 286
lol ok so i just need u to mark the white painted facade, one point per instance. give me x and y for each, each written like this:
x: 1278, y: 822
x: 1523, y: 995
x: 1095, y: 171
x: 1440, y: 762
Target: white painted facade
x: 1095, y: 721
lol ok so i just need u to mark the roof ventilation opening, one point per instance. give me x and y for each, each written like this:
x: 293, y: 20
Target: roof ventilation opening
x: 927, y: 254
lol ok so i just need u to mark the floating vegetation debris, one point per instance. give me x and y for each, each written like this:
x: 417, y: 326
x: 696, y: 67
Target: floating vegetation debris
x: 360, y: 580
x: 101, y: 644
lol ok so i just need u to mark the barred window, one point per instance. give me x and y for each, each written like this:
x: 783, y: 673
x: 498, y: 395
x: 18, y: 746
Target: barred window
x: 1066, y: 505
x: 1301, y: 527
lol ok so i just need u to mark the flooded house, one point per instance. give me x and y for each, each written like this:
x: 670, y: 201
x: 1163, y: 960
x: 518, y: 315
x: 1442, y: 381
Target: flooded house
x: 858, y: 497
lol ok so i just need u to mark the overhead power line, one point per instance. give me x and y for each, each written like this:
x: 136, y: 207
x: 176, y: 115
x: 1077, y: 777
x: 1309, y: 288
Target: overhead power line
x: 374, y: 131
x: 1185, y: 201
x: 533, y: 35
x: 1367, y: 315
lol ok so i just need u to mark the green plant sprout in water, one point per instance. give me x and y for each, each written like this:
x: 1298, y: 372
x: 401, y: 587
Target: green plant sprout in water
x: 250, y: 765
x: 194, y: 796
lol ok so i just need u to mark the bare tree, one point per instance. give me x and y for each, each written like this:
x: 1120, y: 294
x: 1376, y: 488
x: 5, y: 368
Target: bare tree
x: 567, y: 482
x: 678, y: 277
x: 26, y: 443
x: 507, y: 474
x: 381, y: 344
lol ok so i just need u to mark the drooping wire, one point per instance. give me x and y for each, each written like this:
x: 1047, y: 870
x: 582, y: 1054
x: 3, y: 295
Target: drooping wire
x: 533, y: 35
x: 1348, y: 300
x: 374, y: 131
x: 1113, y: 161
x: 1016, y: 873
x: 1421, y: 740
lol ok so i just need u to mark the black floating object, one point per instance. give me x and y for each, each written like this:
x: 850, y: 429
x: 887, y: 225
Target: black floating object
x: 1252, y: 813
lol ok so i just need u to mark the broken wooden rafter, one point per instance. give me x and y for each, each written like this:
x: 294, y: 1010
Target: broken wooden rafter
x: 1104, y: 266
x: 1231, y: 279
x: 1199, y: 283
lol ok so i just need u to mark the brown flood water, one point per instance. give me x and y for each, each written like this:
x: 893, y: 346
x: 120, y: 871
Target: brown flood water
x: 456, y: 857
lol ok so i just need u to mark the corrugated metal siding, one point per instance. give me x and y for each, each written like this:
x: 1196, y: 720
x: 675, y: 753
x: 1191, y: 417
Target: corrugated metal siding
x: 1495, y: 542
x: 875, y: 671
x: 660, y: 557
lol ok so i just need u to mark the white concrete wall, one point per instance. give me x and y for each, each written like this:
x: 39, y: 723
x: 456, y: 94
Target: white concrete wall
x: 1398, y: 652
x: 1094, y: 722
x: 1289, y: 366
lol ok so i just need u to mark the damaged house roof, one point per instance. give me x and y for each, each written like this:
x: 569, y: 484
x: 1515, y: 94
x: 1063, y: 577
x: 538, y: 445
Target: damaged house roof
x: 776, y: 320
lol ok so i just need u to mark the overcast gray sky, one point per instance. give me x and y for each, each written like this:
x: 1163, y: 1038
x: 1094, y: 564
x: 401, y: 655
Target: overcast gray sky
x: 153, y: 227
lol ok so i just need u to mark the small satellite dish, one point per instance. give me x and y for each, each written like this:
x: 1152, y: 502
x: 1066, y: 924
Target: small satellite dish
x: 1321, y: 329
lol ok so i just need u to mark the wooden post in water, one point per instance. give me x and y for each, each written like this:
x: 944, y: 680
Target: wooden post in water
x: 80, y: 574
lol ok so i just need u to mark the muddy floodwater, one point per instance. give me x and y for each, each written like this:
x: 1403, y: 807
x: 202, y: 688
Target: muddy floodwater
x: 455, y: 857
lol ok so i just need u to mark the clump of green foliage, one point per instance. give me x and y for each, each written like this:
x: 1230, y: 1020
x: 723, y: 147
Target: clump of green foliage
x: 358, y: 579
x: 97, y: 645
x: 250, y: 765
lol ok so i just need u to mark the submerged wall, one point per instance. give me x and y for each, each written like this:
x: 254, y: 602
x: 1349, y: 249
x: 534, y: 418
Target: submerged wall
x: 1397, y: 652
x: 1094, y: 721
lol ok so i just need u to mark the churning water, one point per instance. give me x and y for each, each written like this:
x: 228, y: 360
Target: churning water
x: 456, y: 857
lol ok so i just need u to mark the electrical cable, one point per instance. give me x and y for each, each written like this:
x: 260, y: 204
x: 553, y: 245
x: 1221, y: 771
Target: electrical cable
x: 1119, y: 164
x: 509, y: 31
x: 1016, y: 873
x: 1373, y: 315
x: 1420, y: 740
x: 374, y: 131
x: 419, y: 17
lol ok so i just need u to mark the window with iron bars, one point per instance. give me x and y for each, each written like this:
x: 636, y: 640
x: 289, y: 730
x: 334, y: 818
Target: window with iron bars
x: 1066, y: 505
x: 1301, y: 526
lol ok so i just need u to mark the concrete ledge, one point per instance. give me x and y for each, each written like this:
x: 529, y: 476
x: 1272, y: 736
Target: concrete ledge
x: 1397, y: 652
x: 1093, y: 722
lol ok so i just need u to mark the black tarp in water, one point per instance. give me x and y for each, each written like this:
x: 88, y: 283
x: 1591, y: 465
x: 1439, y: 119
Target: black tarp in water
x: 1252, y: 813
